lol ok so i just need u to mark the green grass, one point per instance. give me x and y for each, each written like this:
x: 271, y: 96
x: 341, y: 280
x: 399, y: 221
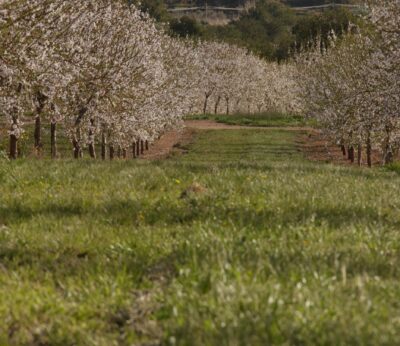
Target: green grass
x: 272, y: 250
x: 268, y: 119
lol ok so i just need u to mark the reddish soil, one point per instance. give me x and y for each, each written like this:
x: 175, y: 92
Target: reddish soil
x: 213, y: 125
x: 170, y: 143
x: 317, y: 147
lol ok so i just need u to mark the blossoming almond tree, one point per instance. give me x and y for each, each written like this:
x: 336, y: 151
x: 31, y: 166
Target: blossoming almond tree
x: 106, y: 74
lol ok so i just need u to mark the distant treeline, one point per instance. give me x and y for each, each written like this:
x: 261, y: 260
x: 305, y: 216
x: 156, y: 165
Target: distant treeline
x: 272, y: 29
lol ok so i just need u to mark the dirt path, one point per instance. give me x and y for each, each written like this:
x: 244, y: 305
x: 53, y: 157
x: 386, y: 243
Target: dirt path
x: 168, y: 143
x: 213, y: 125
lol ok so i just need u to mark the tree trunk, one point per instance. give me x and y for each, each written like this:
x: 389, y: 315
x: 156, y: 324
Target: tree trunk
x: 124, y: 153
x: 134, y: 150
x: 351, y: 154
x: 359, y: 154
x: 92, y: 150
x: 41, y: 102
x: 38, y: 133
x: 76, y: 142
x: 217, y: 104
x: 369, y: 149
x: 388, y: 157
x: 77, y: 148
x: 343, y: 149
x: 119, y: 152
x: 53, y: 139
x: 147, y: 144
x: 13, y: 147
x: 205, y: 104
x: 137, y: 148
x: 141, y: 147
x: 103, y: 145
x: 388, y: 153
x: 14, y: 138
x: 111, y: 151
x: 227, y: 105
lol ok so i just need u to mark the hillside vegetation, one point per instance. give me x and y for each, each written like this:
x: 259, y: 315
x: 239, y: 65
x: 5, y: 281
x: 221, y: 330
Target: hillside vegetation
x: 271, y: 29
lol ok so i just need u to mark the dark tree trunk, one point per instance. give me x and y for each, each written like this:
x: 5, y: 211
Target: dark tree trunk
x: 13, y: 147
x: 147, y: 144
x: 119, y: 152
x: 134, y: 150
x: 38, y: 133
x: 227, y: 105
x: 205, y: 104
x: 111, y: 151
x: 53, y: 139
x: 41, y: 102
x: 359, y: 154
x: 141, y: 147
x: 217, y: 104
x: 76, y: 142
x: 351, y: 154
x: 388, y: 153
x: 343, y: 149
x: 369, y: 149
x: 389, y: 157
x: 14, y: 138
x: 137, y: 148
x: 124, y: 153
x: 92, y: 150
x: 103, y: 145
x: 77, y: 148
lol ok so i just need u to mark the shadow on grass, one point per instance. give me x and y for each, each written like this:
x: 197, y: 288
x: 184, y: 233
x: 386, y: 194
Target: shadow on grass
x: 187, y: 211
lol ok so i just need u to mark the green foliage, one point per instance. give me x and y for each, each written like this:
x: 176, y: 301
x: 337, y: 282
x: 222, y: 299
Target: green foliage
x: 273, y: 30
x: 265, y: 30
x: 185, y: 26
x: 272, y: 250
x: 155, y: 8
x: 309, y: 27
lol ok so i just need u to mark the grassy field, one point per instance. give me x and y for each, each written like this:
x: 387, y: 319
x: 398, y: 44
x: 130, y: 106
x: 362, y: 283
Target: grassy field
x: 269, y: 119
x: 238, y: 242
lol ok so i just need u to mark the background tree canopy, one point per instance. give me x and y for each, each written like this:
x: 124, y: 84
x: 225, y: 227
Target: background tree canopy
x: 271, y: 29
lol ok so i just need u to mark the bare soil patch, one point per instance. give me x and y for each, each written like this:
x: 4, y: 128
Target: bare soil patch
x: 172, y: 142
x: 213, y: 125
x: 317, y: 147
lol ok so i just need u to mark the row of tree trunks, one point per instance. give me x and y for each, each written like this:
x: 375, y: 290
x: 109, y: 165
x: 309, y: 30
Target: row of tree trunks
x: 351, y: 151
x: 138, y: 147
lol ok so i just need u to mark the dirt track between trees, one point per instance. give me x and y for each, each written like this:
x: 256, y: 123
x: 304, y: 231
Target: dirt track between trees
x: 310, y: 141
x: 213, y: 125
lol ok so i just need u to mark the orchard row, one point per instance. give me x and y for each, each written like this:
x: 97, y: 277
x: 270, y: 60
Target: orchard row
x: 105, y: 74
x: 353, y: 87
